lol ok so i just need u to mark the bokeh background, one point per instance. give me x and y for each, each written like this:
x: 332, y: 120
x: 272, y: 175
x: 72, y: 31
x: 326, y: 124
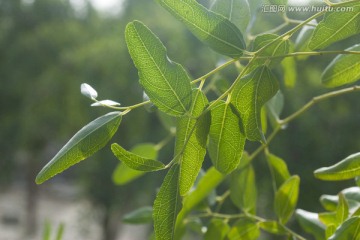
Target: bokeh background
x: 49, y: 47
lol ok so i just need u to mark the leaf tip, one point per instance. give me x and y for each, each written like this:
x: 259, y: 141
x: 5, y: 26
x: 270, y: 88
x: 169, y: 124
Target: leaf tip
x: 318, y: 173
x: 38, y: 180
x: 40, y: 177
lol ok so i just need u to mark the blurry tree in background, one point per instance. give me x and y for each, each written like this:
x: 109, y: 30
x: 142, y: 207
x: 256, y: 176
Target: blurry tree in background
x: 47, y: 49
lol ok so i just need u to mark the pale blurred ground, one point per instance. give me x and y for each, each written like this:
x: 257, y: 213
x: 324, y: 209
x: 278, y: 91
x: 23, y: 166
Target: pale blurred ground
x: 57, y: 205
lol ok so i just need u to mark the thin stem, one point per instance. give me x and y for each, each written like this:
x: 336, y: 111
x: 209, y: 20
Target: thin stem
x: 316, y: 100
x: 123, y: 108
x: 256, y: 54
x: 214, y: 71
x: 273, y: 180
x: 295, y: 21
x: 291, y: 31
x: 137, y: 105
x: 164, y: 142
x: 201, y: 84
x: 328, y: 2
x: 264, y: 146
x: 294, y: 54
x: 221, y: 200
x: 297, y: 236
x: 172, y: 162
x: 340, y: 3
x: 278, y: 28
x: 230, y: 216
x: 230, y: 88
x: 299, y: 113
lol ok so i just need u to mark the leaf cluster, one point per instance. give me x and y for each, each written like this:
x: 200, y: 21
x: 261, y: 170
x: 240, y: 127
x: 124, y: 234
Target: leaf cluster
x: 221, y: 125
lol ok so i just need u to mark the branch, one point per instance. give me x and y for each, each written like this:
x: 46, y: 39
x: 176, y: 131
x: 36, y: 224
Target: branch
x: 316, y: 100
x: 294, y: 54
x: 214, y: 71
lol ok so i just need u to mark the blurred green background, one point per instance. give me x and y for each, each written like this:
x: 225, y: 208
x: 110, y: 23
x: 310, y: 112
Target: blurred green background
x: 49, y: 47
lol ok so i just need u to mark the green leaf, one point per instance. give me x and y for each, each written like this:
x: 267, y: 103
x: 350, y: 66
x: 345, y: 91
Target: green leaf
x: 244, y: 229
x: 82, y: 145
x: 165, y: 82
x: 211, y: 28
x: 357, y: 181
x: 167, y: 205
x: 221, y: 85
x: 278, y: 168
x: 329, y: 202
x: 206, y: 185
x: 342, y: 211
x: 245, y: 161
x: 350, y: 229
x: 135, y: 161
x: 226, y: 140
x: 329, y: 218
x: 274, y: 48
x: 193, y: 132
x: 123, y: 174
x: 217, y: 230
x: 263, y: 117
x: 352, y: 195
x: 310, y: 223
x: 249, y: 95
x: 356, y: 212
x: 330, y: 230
x: 290, y: 70
x: 139, y: 216
x: 243, y: 191
x: 275, y: 106
x: 336, y: 26
x: 47, y: 231
x: 273, y: 227
x: 344, y: 69
x: 286, y: 198
x: 60, y: 231
x: 346, y: 169
x: 237, y: 11
x: 303, y: 39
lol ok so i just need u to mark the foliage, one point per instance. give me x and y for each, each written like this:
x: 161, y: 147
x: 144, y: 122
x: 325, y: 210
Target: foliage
x: 222, y: 122
x: 48, y: 232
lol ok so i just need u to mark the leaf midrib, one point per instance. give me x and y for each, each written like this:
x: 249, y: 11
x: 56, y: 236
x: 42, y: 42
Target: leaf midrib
x: 74, y: 145
x: 197, y: 27
x: 176, y: 203
x: 289, y: 201
x: 256, y: 101
x: 335, y: 75
x: 139, y: 160
x: 337, y: 31
x: 161, y: 73
x: 221, y: 134
x: 334, y: 174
